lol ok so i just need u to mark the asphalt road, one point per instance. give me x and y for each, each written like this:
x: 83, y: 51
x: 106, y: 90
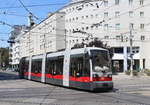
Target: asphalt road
x: 127, y: 91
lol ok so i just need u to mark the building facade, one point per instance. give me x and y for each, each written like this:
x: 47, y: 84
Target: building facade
x: 48, y: 36
x: 115, y: 22
x: 14, y: 49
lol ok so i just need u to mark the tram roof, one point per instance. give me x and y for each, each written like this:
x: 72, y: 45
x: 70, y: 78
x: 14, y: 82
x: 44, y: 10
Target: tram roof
x: 62, y: 53
x: 74, y: 51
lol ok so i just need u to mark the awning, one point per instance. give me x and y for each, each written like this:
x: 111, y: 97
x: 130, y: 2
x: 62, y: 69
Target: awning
x: 121, y: 56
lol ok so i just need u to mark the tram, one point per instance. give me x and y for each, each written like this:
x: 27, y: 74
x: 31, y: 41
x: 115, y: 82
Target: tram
x: 82, y: 68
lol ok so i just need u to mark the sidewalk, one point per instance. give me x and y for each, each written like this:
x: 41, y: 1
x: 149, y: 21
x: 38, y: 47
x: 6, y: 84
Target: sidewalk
x: 124, y: 76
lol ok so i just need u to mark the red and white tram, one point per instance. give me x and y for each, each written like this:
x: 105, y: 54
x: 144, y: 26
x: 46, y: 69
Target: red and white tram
x: 83, y: 68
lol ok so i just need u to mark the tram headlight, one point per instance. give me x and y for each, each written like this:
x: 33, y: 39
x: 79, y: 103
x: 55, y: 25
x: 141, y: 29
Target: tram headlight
x: 98, y: 69
x: 101, y: 69
x: 109, y: 75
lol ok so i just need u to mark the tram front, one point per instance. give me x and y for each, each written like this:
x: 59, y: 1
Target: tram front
x: 101, y: 73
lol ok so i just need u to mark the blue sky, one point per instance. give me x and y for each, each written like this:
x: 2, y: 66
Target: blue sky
x: 40, y: 12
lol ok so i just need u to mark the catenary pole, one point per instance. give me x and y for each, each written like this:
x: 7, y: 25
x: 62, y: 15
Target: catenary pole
x: 131, y: 50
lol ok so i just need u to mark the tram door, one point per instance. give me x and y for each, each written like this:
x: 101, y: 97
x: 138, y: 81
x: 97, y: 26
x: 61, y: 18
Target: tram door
x: 76, y: 67
x: 43, y: 68
x: 22, y: 68
x: 66, y: 67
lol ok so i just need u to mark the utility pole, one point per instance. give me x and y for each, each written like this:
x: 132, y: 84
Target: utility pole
x: 65, y: 38
x: 30, y: 21
x: 131, y: 50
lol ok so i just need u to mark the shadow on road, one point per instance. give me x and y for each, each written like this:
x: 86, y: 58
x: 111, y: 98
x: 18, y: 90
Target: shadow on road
x: 8, y: 75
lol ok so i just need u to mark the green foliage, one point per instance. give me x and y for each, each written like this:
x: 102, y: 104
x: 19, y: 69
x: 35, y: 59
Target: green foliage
x: 4, y: 58
x: 128, y: 72
x: 135, y: 72
x: 147, y: 71
x: 96, y: 42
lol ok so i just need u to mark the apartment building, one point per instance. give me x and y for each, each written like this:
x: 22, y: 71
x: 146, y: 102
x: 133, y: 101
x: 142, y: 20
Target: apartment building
x: 115, y: 22
x: 14, y: 49
x: 47, y: 36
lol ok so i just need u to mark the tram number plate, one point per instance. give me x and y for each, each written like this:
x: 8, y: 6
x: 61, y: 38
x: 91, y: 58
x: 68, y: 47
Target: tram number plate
x: 105, y: 84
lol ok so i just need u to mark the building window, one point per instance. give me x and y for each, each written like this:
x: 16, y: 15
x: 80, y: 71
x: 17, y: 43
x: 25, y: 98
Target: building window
x: 136, y: 49
x: 87, y: 28
x: 117, y: 14
x: 142, y: 14
x: 70, y: 9
x: 131, y: 14
x: 73, y: 19
x: 70, y: 20
x: 82, y: 17
x: 117, y: 26
x: 86, y: 16
x: 77, y: 18
x: 141, y: 2
x: 131, y: 26
x: 92, y: 27
x: 105, y: 2
x: 117, y: 2
x: 91, y: 16
x: 73, y: 9
x: 142, y: 37
x: 105, y: 27
x: 105, y: 14
x: 130, y: 2
x: 106, y: 37
x: 82, y: 28
x: 70, y: 30
x: 96, y: 27
x: 142, y: 26
x: 96, y: 15
x: 144, y: 63
x: 118, y: 37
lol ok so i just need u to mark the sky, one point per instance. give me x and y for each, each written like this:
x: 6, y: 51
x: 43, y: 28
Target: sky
x: 18, y: 16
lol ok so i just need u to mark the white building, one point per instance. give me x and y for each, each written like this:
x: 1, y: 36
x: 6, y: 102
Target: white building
x: 48, y: 36
x: 116, y: 17
x: 14, y: 49
x: 110, y: 20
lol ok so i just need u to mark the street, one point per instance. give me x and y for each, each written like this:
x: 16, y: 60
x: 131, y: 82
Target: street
x: 127, y: 91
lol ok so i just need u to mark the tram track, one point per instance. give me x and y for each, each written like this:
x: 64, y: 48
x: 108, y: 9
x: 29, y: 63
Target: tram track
x: 14, y: 102
x: 126, y: 97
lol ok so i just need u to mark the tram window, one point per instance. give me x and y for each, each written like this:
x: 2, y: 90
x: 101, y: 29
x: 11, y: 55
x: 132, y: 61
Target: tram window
x: 22, y: 65
x: 76, y: 66
x: 36, y: 66
x: 26, y: 66
x: 59, y: 66
x: 49, y: 66
x: 86, y: 69
x: 54, y: 66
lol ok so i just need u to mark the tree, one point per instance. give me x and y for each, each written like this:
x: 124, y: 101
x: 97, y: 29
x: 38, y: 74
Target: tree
x: 4, y: 57
x: 96, y: 43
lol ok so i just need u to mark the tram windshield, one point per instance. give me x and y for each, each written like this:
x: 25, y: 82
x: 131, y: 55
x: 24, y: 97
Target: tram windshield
x: 100, y: 61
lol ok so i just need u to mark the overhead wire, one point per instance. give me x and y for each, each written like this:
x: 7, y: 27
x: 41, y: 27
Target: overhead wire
x: 6, y: 13
x: 88, y: 24
x: 29, y: 6
x: 28, y: 10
